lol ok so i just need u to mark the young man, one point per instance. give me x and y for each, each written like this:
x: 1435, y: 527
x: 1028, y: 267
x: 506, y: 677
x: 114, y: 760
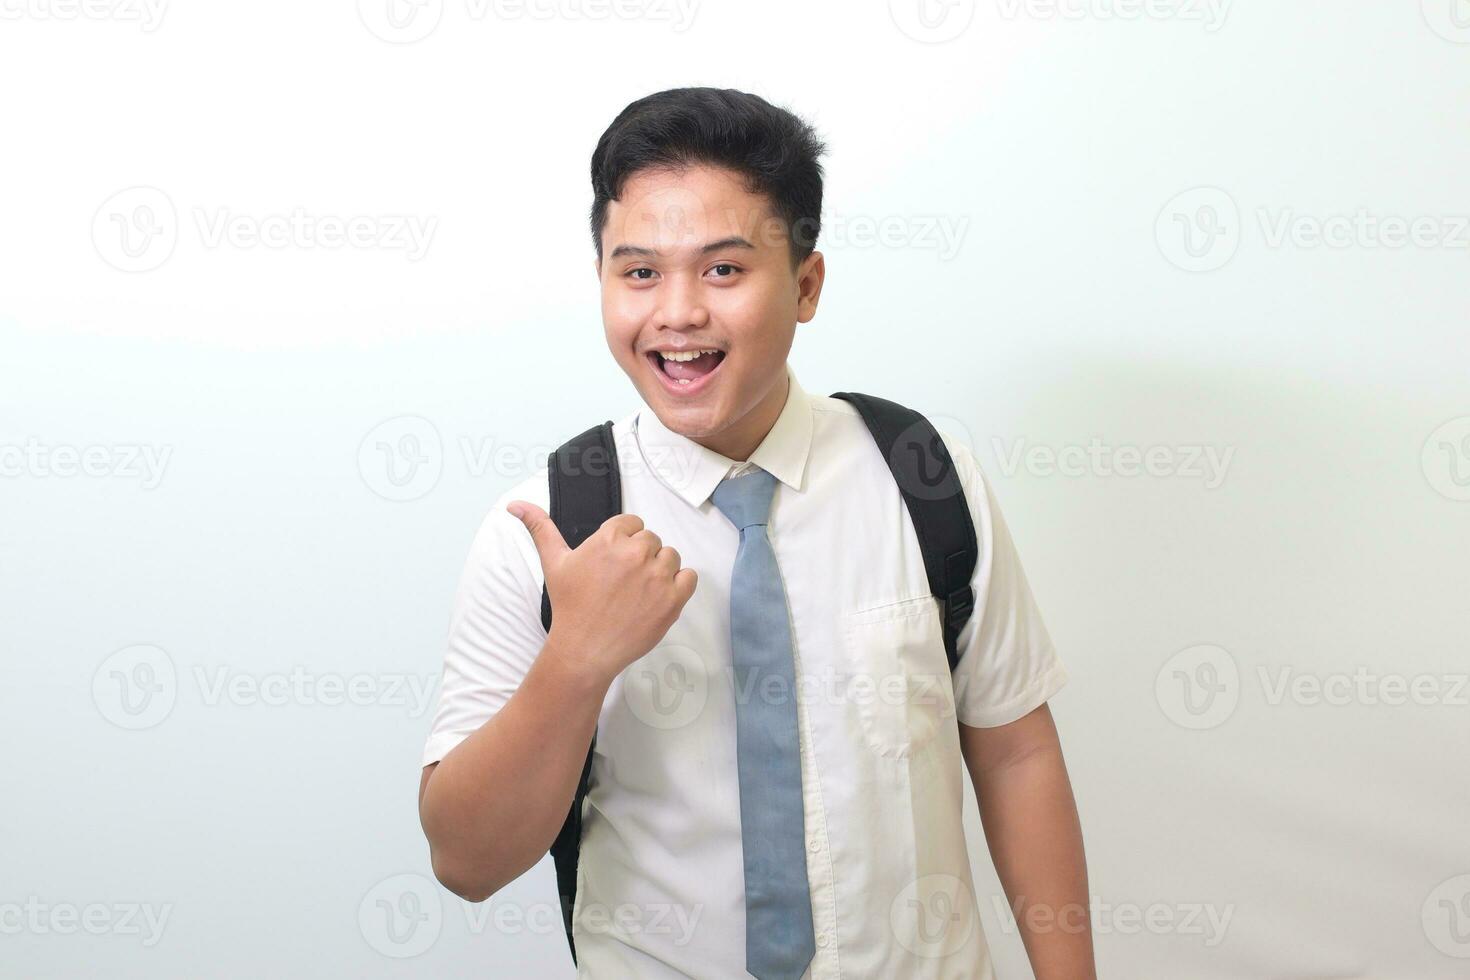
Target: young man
x: 776, y: 789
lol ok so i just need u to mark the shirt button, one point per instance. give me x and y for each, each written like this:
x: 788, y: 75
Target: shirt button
x: 814, y: 845
x: 824, y: 940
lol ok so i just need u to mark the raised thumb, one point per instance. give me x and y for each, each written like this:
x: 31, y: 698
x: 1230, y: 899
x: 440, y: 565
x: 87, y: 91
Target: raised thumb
x: 544, y: 532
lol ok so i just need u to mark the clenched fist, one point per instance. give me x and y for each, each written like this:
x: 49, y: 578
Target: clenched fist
x: 615, y: 595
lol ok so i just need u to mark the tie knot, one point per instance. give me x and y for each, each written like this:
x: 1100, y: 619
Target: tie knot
x: 746, y: 499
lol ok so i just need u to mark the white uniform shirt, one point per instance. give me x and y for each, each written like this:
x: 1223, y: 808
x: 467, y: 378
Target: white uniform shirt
x: 661, y: 881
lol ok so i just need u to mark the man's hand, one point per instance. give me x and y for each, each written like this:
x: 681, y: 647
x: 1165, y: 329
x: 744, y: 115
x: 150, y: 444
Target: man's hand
x: 615, y: 596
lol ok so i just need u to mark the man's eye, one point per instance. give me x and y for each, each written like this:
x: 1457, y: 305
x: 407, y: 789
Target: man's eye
x: 633, y: 273
x: 725, y: 265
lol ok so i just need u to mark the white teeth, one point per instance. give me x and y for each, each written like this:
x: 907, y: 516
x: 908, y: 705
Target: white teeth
x: 686, y: 355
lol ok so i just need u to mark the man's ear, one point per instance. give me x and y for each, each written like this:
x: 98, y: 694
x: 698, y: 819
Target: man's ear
x: 809, y: 278
x: 597, y: 268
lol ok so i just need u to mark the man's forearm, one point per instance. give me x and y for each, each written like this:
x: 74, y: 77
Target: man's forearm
x: 495, y: 802
x: 1035, y: 840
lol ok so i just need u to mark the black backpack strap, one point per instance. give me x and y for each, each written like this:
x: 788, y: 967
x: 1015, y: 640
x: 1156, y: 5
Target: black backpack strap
x: 585, y: 492
x: 931, y: 489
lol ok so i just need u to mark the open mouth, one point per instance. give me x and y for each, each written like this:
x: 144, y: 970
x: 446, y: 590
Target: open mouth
x: 687, y: 372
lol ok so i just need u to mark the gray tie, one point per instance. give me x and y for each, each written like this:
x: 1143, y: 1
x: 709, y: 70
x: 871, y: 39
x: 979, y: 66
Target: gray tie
x: 778, y: 912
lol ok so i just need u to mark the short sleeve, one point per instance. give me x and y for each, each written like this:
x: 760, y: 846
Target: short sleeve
x: 1007, y: 663
x: 495, y: 630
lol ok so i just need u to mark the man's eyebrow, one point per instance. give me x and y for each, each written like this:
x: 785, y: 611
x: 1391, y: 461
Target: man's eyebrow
x: 733, y: 241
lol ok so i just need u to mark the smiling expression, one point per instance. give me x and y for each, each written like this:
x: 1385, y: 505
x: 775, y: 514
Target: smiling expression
x: 693, y: 261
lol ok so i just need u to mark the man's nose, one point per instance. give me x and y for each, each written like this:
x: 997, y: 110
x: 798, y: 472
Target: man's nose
x: 681, y: 304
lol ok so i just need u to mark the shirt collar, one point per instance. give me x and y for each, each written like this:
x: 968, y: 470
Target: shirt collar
x: 693, y: 471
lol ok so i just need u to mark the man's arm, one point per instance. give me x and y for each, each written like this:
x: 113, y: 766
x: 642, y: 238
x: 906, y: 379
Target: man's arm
x: 493, y: 805
x: 1035, y: 840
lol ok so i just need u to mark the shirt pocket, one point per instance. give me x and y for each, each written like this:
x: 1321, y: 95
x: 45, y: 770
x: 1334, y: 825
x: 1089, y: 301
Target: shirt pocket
x: 898, y: 675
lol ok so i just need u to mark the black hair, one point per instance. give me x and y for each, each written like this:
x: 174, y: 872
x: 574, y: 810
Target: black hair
x: 774, y: 150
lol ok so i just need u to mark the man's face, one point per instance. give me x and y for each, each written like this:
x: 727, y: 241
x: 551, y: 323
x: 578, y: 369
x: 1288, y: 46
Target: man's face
x: 692, y: 261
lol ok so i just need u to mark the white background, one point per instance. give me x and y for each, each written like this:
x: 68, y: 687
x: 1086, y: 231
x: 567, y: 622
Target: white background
x: 1131, y: 192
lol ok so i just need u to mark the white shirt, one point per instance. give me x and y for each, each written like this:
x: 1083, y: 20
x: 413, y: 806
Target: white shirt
x: 661, y: 882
